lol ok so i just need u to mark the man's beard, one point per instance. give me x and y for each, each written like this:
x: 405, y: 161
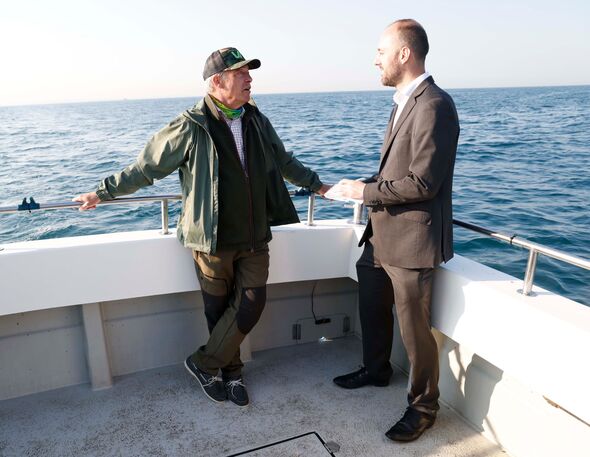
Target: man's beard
x: 392, y: 78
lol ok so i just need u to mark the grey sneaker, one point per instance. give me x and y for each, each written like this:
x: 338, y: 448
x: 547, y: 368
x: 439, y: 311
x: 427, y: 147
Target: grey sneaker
x: 236, y: 391
x: 211, y: 385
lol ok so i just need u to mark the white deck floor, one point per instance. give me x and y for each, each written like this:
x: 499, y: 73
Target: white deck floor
x: 163, y: 412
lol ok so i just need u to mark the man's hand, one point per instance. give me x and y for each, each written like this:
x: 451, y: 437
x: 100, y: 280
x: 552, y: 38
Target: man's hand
x: 89, y: 201
x: 349, y: 188
x: 322, y: 190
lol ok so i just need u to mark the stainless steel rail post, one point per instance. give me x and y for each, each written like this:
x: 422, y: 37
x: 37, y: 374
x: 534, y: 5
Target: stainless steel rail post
x: 357, y: 217
x: 529, y: 274
x: 310, y: 208
x: 165, y: 217
x: 534, y: 251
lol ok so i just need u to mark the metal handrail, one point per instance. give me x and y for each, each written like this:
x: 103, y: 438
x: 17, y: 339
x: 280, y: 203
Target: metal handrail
x: 534, y: 251
x: 117, y: 201
x: 163, y: 199
x: 533, y: 248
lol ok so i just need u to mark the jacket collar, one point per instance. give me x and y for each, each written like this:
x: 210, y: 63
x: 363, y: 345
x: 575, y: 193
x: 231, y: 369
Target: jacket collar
x: 198, y: 112
x: 211, y: 105
x: 411, y: 103
x: 404, y: 94
x: 393, y: 130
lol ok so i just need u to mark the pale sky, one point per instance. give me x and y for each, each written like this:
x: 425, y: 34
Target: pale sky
x: 56, y: 51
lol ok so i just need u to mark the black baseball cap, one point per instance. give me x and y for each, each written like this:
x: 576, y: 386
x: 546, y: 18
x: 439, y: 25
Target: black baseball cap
x: 227, y: 59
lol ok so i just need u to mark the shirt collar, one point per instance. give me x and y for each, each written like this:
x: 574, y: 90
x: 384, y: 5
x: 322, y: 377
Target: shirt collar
x: 402, y: 96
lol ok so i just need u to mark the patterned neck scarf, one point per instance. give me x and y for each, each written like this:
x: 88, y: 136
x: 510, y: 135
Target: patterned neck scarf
x: 228, y: 112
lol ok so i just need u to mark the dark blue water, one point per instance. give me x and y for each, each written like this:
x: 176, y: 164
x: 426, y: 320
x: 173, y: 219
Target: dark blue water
x: 523, y: 165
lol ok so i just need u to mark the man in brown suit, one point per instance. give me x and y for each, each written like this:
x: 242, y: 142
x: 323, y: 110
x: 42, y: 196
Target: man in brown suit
x: 410, y: 228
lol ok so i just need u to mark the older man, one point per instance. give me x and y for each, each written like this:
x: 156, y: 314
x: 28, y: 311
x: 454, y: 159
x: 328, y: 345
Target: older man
x: 231, y: 165
x: 410, y: 226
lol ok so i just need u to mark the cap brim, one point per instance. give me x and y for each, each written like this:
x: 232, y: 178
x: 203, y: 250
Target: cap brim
x: 253, y: 64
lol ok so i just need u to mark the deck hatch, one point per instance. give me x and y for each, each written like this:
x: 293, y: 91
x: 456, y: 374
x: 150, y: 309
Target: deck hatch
x: 308, y: 444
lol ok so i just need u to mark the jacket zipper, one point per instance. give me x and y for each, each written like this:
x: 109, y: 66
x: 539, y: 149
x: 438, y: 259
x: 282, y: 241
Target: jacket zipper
x: 250, y: 214
x: 248, y: 183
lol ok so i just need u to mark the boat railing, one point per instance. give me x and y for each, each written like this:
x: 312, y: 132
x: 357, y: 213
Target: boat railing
x: 359, y: 209
x: 534, y: 251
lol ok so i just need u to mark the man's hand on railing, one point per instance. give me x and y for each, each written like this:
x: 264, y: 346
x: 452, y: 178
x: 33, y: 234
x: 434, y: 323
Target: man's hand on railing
x: 89, y: 201
x: 325, y: 188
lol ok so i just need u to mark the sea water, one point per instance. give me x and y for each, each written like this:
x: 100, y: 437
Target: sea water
x: 523, y: 165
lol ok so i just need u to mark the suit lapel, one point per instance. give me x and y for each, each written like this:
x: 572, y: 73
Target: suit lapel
x: 402, y: 117
x: 388, y: 130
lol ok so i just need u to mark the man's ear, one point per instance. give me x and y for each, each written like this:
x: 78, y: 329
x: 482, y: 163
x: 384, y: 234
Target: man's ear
x: 404, y: 54
x: 218, y: 80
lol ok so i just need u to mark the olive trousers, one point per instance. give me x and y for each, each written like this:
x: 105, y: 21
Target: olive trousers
x: 233, y: 284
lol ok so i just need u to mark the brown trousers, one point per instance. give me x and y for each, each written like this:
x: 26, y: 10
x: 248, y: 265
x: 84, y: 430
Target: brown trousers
x: 380, y: 286
x: 233, y: 285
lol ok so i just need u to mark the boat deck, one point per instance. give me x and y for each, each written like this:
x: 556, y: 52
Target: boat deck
x: 164, y: 412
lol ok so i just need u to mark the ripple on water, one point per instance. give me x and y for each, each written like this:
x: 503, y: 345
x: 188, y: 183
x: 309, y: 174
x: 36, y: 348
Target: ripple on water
x: 523, y: 165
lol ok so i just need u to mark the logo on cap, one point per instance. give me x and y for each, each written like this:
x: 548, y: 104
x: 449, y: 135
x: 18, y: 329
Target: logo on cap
x: 227, y: 59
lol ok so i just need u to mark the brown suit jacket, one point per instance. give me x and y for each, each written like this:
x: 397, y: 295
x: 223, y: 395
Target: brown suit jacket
x: 411, y: 218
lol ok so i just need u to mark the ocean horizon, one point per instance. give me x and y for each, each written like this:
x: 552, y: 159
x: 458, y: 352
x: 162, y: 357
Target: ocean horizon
x: 196, y: 97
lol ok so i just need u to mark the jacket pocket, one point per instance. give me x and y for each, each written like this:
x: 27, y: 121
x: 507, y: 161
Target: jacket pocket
x: 279, y: 206
x: 421, y: 216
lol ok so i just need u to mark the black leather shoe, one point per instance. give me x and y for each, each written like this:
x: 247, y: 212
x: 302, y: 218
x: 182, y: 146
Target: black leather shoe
x: 359, y: 378
x: 410, y: 426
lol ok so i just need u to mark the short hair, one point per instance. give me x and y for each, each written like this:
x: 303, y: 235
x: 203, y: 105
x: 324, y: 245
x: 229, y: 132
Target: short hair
x: 209, y: 86
x: 413, y: 35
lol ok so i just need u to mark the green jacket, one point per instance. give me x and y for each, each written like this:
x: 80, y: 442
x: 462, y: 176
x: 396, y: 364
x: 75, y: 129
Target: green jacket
x: 186, y: 144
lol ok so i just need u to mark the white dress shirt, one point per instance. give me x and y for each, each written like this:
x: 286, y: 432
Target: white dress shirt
x: 401, y: 97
